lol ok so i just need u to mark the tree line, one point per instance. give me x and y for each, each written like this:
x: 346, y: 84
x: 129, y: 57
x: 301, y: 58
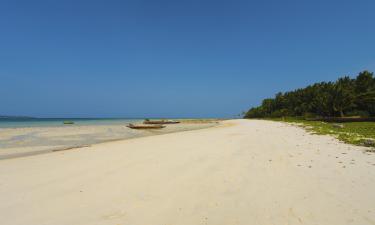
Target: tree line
x: 344, y: 97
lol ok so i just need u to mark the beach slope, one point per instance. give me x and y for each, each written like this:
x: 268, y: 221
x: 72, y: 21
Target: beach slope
x: 240, y: 172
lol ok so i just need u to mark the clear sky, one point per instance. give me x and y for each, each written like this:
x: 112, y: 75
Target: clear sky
x: 193, y: 58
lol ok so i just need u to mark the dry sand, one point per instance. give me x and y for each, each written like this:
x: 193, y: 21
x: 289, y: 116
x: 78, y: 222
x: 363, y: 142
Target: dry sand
x: 241, y: 172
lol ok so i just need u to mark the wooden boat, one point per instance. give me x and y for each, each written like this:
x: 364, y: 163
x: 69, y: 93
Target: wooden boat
x: 68, y: 122
x: 160, y: 122
x: 142, y: 126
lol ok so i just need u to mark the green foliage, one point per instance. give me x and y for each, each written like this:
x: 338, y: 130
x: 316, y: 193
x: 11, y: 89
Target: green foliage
x: 345, y: 96
x: 352, y: 132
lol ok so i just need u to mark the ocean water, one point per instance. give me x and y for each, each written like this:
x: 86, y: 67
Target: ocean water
x: 22, y: 137
x: 56, y: 122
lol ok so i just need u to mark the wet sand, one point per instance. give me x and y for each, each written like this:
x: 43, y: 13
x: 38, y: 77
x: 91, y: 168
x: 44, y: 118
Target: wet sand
x: 26, y: 141
x: 240, y: 172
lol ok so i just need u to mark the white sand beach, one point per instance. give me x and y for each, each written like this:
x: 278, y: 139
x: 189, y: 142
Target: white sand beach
x: 240, y: 172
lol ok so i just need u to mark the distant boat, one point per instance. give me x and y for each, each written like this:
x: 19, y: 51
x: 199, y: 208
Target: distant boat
x: 68, y: 122
x: 140, y: 126
x: 160, y: 121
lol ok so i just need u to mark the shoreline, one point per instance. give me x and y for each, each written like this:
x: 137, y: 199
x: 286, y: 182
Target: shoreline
x: 212, y: 122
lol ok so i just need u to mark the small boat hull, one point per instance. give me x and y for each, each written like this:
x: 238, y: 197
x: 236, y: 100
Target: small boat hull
x: 161, y: 122
x: 145, y: 127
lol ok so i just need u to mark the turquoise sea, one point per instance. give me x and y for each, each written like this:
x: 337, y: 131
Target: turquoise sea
x: 55, y: 122
x: 28, y: 136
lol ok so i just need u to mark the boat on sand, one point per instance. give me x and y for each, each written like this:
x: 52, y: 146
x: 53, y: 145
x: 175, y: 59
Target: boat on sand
x: 145, y: 126
x: 160, y: 121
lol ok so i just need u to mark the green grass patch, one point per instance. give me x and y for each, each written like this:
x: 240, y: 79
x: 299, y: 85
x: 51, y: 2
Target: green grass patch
x: 357, y: 133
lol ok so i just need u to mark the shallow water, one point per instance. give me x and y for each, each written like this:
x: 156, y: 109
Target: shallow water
x: 19, y: 138
x: 58, y: 122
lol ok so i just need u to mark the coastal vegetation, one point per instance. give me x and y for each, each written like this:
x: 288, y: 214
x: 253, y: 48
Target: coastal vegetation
x: 316, y: 106
x: 343, y: 97
x: 357, y: 133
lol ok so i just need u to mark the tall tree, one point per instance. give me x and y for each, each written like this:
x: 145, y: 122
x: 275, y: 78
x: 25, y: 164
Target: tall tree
x: 365, y: 91
x: 343, y: 96
x: 337, y: 98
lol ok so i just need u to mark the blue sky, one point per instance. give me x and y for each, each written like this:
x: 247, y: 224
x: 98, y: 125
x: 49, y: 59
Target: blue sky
x: 173, y: 58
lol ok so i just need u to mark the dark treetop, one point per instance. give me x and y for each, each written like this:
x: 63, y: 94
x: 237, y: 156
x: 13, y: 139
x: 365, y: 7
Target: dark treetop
x: 344, y: 97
